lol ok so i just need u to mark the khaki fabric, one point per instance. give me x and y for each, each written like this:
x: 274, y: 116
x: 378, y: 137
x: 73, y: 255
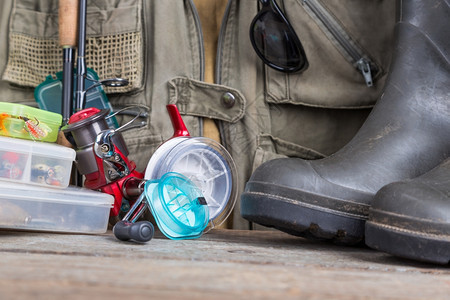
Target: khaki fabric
x: 270, y: 114
x: 211, y: 15
x: 113, y: 45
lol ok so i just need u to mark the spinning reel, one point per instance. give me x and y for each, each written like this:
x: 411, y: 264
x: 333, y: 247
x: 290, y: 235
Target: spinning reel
x: 189, y: 185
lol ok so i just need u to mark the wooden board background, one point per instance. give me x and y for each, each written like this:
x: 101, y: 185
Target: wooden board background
x: 222, y: 264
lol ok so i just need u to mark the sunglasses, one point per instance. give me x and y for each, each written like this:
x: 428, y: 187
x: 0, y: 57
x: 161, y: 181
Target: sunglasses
x: 275, y: 41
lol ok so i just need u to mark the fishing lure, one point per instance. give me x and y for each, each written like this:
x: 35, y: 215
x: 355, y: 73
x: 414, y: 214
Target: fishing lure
x: 42, y: 173
x: 10, y: 166
x: 35, y: 129
x: 3, y: 117
x: 32, y: 126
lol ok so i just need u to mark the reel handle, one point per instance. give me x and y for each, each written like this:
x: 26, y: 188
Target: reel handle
x: 140, y: 231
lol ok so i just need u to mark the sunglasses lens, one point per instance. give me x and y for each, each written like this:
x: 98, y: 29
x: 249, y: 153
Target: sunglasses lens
x: 276, y: 43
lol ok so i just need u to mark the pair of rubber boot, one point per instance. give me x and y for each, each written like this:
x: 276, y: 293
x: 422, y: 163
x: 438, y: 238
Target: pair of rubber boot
x: 379, y: 187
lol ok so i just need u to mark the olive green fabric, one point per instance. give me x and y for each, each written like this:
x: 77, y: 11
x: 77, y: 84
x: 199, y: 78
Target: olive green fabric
x: 114, y: 46
x: 261, y: 113
x: 211, y: 15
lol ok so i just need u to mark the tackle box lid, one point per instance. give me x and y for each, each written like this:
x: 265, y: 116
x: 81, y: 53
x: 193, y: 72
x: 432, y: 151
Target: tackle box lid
x: 37, y: 148
x: 48, y: 123
x: 17, y: 109
x: 71, y: 195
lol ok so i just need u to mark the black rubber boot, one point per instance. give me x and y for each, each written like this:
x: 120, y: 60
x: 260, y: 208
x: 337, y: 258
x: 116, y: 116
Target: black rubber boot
x: 406, y: 135
x: 412, y: 218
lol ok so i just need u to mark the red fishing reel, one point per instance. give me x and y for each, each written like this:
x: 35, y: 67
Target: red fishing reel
x: 190, y: 187
x: 102, y: 155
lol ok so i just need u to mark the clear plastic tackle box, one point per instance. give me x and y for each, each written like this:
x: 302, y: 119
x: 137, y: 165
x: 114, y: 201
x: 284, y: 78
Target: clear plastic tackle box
x: 73, y: 209
x: 36, y: 163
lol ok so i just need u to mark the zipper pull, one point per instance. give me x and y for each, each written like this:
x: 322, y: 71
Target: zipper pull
x: 364, y: 67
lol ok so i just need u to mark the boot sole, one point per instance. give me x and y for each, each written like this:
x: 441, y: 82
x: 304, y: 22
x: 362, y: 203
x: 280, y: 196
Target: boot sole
x: 301, y: 218
x: 431, y: 248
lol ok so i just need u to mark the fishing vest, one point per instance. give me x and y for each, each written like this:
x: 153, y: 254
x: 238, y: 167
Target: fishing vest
x: 260, y: 113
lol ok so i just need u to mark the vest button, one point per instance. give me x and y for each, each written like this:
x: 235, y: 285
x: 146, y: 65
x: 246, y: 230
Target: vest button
x: 228, y: 100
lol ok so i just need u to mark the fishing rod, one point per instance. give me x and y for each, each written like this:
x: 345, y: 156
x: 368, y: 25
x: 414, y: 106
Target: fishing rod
x: 67, y: 21
x: 81, y: 61
x: 81, y: 90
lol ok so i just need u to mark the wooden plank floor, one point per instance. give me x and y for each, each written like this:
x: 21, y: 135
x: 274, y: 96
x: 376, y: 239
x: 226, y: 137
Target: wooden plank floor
x: 223, y: 264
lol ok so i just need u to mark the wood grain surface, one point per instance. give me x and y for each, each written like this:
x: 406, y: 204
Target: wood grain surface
x: 222, y: 264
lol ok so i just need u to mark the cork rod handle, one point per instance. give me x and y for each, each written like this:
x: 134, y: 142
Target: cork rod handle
x: 68, y: 23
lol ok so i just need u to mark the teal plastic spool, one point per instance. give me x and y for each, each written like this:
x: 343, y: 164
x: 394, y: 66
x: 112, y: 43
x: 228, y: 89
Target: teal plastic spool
x: 178, y: 206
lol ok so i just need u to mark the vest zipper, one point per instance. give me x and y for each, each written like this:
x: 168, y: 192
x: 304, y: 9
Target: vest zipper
x: 220, y: 43
x: 198, y: 25
x: 218, y: 77
x: 352, y: 52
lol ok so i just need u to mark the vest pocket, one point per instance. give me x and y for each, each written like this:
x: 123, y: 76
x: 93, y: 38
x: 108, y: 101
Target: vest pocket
x: 348, y: 50
x: 114, y: 42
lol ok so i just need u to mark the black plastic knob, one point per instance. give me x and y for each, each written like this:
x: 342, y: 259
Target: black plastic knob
x: 140, y: 231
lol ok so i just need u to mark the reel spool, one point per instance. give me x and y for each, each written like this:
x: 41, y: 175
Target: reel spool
x: 179, y: 208
x: 204, y: 162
